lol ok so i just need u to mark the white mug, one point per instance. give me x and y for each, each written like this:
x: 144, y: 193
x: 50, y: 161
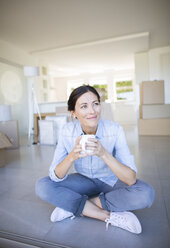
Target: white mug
x: 84, y: 140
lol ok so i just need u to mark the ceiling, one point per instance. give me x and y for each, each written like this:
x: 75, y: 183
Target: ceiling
x: 77, y: 36
x: 95, y: 57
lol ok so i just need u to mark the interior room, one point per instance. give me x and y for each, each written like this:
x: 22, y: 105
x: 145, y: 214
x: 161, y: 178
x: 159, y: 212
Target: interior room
x: 49, y: 48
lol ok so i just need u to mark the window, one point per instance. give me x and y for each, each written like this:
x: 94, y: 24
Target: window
x: 124, y: 90
x: 102, y: 90
x: 72, y: 84
x: 124, y: 85
x: 100, y: 84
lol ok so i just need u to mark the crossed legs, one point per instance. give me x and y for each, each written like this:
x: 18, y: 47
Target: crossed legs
x: 93, y: 209
x: 75, y: 193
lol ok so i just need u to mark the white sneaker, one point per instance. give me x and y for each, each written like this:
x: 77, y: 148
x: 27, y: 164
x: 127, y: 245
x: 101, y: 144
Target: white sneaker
x: 60, y: 214
x: 124, y: 220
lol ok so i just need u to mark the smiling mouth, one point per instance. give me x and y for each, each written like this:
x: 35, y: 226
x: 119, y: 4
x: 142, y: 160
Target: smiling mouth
x: 93, y: 117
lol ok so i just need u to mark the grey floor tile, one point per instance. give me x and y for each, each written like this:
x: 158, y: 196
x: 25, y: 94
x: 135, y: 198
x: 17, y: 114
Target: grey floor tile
x: 22, y: 213
x: 167, y: 206
x: 25, y: 218
x: 165, y: 185
x: 84, y: 232
x: 164, y: 169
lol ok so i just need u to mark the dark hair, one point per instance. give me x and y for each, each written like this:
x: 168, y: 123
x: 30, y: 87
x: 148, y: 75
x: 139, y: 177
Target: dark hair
x: 76, y: 93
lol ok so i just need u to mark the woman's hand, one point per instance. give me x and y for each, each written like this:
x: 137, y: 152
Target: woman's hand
x: 95, y: 146
x: 76, y: 153
x: 124, y: 173
x: 62, y: 168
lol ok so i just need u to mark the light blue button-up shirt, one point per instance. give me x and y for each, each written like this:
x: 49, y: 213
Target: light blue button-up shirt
x: 111, y: 136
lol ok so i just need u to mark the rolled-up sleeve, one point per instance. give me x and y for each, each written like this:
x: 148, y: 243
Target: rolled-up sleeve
x: 53, y: 176
x: 59, y: 156
x: 122, y: 152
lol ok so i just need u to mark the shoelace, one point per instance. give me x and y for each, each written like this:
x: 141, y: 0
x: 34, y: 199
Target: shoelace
x: 72, y: 217
x: 66, y: 216
x: 118, y: 221
x: 107, y: 223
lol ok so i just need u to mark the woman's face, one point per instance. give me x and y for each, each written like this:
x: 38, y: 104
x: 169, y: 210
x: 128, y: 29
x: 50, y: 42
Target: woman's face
x: 88, y: 111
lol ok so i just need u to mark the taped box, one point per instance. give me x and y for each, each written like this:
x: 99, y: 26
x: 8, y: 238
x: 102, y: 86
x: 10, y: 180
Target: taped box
x: 152, y: 92
x: 154, y: 126
x: 10, y: 129
x: 155, y: 111
x: 47, y: 132
x: 4, y: 143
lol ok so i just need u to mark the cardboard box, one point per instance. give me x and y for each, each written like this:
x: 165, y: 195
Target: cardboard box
x: 2, y: 158
x: 59, y: 121
x: 154, y: 127
x: 36, y: 126
x: 49, y: 129
x: 107, y: 111
x: 61, y: 110
x: 140, y: 112
x: 4, y: 143
x: 10, y: 129
x: 152, y: 92
x: 46, y: 116
x: 47, y: 132
x: 155, y: 111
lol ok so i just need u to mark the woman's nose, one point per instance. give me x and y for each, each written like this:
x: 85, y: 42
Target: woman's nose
x: 91, y: 109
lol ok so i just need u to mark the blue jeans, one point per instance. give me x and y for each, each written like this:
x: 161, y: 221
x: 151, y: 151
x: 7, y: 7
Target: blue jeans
x: 71, y: 194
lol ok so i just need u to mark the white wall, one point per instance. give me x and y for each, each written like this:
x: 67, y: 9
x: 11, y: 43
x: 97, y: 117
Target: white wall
x: 12, y: 60
x: 154, y: 65
x: 159, y: 61
x: 19, y: 105
x: 15, y: 55
x: 165, y: 74
x: 59, y: 92
x: 141, y: 67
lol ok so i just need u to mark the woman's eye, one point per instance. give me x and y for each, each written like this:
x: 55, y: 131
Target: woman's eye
x: 97, y: 103
x: 84, y: 106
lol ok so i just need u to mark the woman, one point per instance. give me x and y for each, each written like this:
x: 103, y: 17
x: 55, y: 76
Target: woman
x: 104, y: 186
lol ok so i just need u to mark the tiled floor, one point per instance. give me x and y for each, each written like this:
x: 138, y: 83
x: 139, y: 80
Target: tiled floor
x: 24, y: 219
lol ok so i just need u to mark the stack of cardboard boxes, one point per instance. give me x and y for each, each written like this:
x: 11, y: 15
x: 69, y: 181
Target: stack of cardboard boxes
x: 50, y: 126
x: 154, y: 113
x: 10, y: 129
x: 9, y: 137
x: 4, y: 143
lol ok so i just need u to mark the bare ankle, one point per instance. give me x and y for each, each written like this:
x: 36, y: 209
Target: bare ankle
x: 106, y: 215
x: 96, y: 201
